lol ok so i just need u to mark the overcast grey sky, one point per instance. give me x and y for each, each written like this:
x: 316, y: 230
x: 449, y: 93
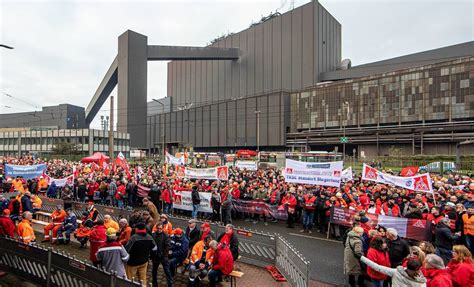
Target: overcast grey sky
x: 63, y: 47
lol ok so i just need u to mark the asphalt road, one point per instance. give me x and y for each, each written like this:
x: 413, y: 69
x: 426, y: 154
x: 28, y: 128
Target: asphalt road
x: 326, y: 256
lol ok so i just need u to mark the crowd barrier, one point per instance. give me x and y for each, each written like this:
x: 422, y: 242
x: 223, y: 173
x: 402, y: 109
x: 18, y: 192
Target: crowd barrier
x: 291, y: 263
x: 51, y: 268
x: 255, y: 248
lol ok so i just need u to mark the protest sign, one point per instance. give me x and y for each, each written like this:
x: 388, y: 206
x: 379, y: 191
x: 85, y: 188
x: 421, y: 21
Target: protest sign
x: 215, y: 173
x: 420, y: 182
x: 418, y: 229
x: 174, y: 160
x: 318, y: 173
x: 25, y: 171
x: 60, y: 182
x: 347, y: 174
x: 183, y: 200
x: 246, y: 164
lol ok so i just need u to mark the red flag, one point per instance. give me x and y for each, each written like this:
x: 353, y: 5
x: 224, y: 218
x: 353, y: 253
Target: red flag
x: 121, y: 161
x: 106, y: 169
x: 94, y: 167
x: 409, y: 171
x: 75, y: 171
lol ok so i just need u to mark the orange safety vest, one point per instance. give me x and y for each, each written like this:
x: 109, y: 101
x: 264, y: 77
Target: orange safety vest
x: 58, y: 216
x: 111, y: 224
x: 25, y: 231
x: 167, y: 228
x: 197, y: 251
x: 468, y: 221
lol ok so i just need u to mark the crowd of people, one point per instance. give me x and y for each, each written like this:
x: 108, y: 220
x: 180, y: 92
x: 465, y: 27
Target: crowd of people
x: 450, y: 208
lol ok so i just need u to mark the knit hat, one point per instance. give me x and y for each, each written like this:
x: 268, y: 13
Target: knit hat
x: 111, y: 233
x: 178, y: 231
x: 6, y: 212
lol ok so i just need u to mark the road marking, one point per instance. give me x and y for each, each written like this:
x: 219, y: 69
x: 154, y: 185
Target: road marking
x: 313, y: 237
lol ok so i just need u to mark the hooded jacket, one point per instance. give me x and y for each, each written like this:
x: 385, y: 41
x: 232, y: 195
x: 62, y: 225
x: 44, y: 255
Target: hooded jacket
x: 223, y: 260
x: 353, y: 249
x: 437, y: 278
x: 399, y: 276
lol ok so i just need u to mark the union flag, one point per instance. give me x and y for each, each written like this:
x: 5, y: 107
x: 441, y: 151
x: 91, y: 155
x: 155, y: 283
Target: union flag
x: 369, y: 172
x: 422, y: 183
x: 409, y: 171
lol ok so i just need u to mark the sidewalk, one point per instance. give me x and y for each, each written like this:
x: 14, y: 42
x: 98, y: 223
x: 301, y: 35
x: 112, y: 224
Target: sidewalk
x: 253, y: 276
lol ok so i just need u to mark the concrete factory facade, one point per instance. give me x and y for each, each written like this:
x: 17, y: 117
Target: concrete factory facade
x: 281, y: 85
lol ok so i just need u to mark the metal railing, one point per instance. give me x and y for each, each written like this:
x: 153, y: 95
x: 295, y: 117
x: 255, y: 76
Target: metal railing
x: 255, y: 247
x: 292, y: 264
x: 51, y: 268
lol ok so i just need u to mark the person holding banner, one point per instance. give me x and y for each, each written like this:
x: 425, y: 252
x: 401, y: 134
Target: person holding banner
x: 289, y: 203
x: 309, y: 206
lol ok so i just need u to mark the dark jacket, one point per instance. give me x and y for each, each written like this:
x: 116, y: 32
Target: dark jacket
x: 195, y: 197
x: 398, y: 249
x: 179, y: 247
x: 155, y: 194
x: 26, y: 203
x: 139, y: 247
x: 163, y: 243
x: 444, y: 238
x: 233, y: 245
x: 193, y: 236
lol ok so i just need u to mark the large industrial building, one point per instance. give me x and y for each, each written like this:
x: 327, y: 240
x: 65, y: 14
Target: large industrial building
x: 281, y: 85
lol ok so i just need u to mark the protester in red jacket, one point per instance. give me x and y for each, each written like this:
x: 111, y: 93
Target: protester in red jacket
x: 289, y: 203
x: 91, y: 189
x: 222, y: 264
x: 435, y: 273
x: 7, y: 227
x: 97, y: 239
x: 461, y: 267
x: 378, y: 254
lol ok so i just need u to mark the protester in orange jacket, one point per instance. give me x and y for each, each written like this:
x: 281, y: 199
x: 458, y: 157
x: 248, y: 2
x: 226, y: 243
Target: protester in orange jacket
x: 58, y: 217
x: 25, y: 231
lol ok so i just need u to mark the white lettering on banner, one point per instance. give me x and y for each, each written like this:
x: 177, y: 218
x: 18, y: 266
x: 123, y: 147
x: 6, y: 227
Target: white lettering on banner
x: 421, y: 182
x: 215, y: 173
x: 183, y: 200
x: 246, y: 164
x: 318, y: 173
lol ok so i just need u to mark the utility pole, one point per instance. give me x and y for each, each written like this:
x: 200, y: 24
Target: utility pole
x: 111, y: 129
x: 258, y: 129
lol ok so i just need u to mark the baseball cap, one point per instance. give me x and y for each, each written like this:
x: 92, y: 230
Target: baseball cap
x: 178, y: 231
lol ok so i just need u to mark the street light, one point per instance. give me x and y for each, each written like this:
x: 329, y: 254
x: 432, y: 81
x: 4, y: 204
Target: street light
x: 163, y: 129
x: 6, y: 47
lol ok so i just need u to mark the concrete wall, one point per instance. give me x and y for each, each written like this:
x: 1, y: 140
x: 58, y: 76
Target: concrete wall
x: 228, y: 124
x: 285, y: 53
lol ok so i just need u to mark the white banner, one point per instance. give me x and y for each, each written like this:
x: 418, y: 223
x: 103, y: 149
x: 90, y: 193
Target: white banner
x: 318, y: 173
x: 420, y: 182
x: 215, y: 173
x: 174, y: 160
x: 246, y: 164
x: 60, y: 182
x: 182, y: 200
x: 347, y: 174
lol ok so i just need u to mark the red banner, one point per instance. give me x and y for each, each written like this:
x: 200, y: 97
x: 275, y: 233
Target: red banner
x: 417, y: 229
x: 259, y: 207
